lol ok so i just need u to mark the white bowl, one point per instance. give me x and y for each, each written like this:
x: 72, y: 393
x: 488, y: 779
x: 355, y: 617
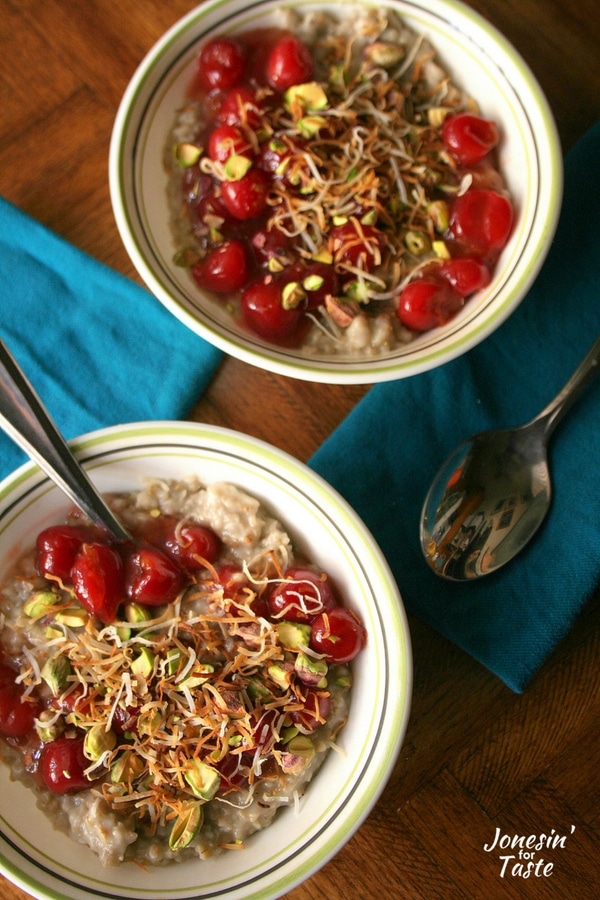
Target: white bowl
x: 480, y: 60
x: 46, y: 863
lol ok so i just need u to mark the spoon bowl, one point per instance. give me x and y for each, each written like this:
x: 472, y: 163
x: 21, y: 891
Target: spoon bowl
x: 493, y: 492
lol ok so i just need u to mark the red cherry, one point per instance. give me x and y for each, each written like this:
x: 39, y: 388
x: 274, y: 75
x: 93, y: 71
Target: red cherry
x: 263, y: 312
x: 17, y: 714
x: 317, y: 706
x: 227, y: 140
x: 224, y: 269
x: 338, y: 634
x: 151, y: 577
x: 425, y: 304
x: 290, y: 62
x: 62, y: 765
x: 192, y: 546
x: 241, y: 107
x: 97, y: 577
x: 469, y: 138
x: 466, y: 274
x: 301, y: 596
x: 221, y: 64
x: 56, y: 549
x: 246, y: 197
x: 356, y: 245
x: 480, y: 222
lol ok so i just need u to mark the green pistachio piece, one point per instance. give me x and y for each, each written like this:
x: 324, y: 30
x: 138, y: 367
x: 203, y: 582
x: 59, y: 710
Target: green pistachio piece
x: 204, y: 780
x: 143, y: 664
x: 46, y: 729
x: 187, y: 825
x: 149, y: 722
x: 72, y: 618
x: 199, y: 675
x: 292, y: 295
x: 186, y: 154
x: 281, y: 675
x: 440, y: 249
x: 357, y: 291
x: 310, y: 670
x: 313, y: 282
x: 439, y: 213
x: 236, y: 167
x: 307, y: 96
x: 323, y: 255
x: 298, y: 754
x: 293, y: 635
x: 417, y: 243
x: 55, y: 672
x: 42, y: 603
x: 127, y: 768
x: 97, y: 741
x: 136, y: 614
x: 384, y: 54
x: 309, y: 126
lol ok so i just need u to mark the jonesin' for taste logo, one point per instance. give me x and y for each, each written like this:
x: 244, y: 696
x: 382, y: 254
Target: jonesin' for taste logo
x: 527, y: 856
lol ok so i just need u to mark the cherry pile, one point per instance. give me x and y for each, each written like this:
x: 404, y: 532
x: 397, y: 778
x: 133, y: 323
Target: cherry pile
x: 239, y: 167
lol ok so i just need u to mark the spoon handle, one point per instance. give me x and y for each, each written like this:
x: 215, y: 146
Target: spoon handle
x: 26, y: 421
x: 549, y: 417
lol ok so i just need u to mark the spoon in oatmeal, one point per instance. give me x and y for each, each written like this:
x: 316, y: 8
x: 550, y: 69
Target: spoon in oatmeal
x: 25, y: 419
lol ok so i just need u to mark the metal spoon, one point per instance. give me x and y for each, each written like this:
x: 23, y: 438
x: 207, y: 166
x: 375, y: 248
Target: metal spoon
x: 26, y: 421
x: 492, y: 494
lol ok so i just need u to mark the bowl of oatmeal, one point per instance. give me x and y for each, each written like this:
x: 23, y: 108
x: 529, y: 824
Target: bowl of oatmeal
x: 210, y: 709
x: 336, y: 192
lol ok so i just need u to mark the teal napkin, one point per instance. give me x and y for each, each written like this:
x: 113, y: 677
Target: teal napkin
x: 99, y: 349
x: 384, y: 455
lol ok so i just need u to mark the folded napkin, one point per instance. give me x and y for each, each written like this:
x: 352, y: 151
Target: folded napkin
x: 383, y: 457
x: 98, y: 349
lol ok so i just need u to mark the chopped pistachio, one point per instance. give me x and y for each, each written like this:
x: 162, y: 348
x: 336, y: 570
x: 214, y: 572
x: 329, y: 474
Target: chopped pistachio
x: 440, y: 215
x: 311, y: 670
x: 98, y: 741
x: 292, y: 295
x: 417, y: 243
x: 75, y: 617
x: 323, y: 255
x: 187, y: 154
x: 369, y: 218
x: 309, y: 126
x: 436, y: 115
x: 143, y: 664
x: 358, y: 291
x: 149, y: 722
x: 126, y: 768
x: 306, y: 96
x: 236, y: 167
x: 313, y: 282
x: 187, y: 825
x: 298, y: 754
x: 440, y: 249
x: 47, y: 729
x: 55, y: 672
x: 136, y: 614
x: 204, y: 780
x: 293, y: 635
x: 384, y: 54
x: 281, y: 675
x: 42, y: 603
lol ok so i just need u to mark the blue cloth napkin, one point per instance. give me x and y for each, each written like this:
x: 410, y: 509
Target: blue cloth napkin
x: 98, y: 349
x: 383, y: 457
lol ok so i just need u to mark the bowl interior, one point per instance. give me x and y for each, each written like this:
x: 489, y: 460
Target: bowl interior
x: 45, y: 862
x: 479, y: 59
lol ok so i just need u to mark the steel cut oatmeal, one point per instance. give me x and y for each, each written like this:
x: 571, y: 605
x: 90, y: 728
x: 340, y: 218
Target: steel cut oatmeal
x: 165, y: 697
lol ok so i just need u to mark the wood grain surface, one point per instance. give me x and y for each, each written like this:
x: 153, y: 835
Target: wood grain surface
x: 476, y: 756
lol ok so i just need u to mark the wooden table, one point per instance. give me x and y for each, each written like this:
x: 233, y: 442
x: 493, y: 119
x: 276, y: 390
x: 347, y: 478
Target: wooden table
x: 476, y: 757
